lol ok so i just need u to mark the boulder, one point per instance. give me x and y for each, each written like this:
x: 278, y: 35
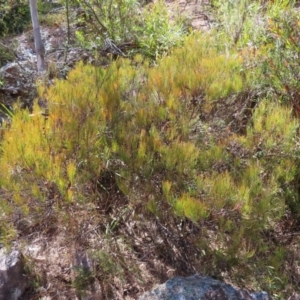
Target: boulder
x: 200, y: 288
x: 13, y: 281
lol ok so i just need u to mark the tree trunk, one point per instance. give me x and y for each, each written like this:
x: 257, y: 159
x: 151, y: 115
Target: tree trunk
x: 39, y: 47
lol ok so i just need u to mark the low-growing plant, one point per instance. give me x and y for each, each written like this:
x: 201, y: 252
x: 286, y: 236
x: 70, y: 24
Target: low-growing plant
x: 280, y: 70
x: 5, y: 56
x: 157, y: 35
x: 138, y: 130
x: 83, y: 279
x: 113, y: 20
x: 242, y: 22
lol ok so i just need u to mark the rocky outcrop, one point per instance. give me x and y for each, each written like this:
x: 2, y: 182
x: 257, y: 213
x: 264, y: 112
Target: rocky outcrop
x: 200, y: 288
x: 13, y: 281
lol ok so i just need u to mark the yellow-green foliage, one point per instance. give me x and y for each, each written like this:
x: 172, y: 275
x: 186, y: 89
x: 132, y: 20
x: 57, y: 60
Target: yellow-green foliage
x: 273, y: 126
x: 191, y: 208
x: 135, y: 121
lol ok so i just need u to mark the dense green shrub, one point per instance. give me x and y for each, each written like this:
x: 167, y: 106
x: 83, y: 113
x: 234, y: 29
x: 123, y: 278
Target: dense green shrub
x: 124, y: 27
x: 115, y: 20
x: 14, y: 16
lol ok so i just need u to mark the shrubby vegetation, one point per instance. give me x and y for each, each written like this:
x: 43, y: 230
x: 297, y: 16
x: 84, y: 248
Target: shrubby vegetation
x: 129, y: 27
x: 14, y: 16
x: 204, y: 144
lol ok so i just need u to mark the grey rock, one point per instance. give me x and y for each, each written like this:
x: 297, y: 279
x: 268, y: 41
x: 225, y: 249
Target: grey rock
x: 19, y: 81
x: 295, y: 296
x: 200, y: 288
x: 13, y: 282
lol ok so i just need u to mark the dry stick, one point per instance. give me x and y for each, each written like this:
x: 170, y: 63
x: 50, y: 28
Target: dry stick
x: 240, y: 30
x: 104, y: 28
x: 68, y: 26
x: 39, y: 46
x: 68, y: 20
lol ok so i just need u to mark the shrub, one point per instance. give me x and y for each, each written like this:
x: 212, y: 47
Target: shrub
x: 242, y: 22
x: 115, y: 20
x: 280, y: 70
x: 156, y: 35
x: 125, y: 27
x: 139, y: 128
x: 14, y: 16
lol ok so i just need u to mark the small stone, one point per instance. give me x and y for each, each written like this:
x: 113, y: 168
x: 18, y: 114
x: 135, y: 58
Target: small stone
x: 200, y: 288
x: 295, y: 296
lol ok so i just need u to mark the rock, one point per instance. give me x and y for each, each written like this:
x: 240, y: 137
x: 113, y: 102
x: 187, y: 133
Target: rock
x: 19, y: 82
x: 200, y: 288
x: 13, y: 282
x: 295, y: 296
